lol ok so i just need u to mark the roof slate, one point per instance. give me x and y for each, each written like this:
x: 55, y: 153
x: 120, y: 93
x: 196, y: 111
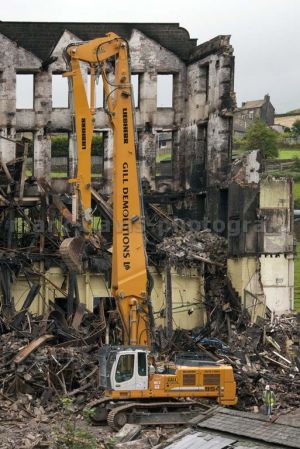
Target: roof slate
x: 40, y: 38
x: 253, y: 104
x: 197, y: 440
x: 246, y: 424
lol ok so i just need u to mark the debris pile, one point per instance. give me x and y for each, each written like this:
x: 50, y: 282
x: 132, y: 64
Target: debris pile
x: 268, y: 353
x: 264, y: 353
x: 47, y: 358
x: 191, y: 247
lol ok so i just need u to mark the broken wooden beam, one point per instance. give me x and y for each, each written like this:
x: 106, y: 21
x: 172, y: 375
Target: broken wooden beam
x: 16, y: 322
x: 31, y: 347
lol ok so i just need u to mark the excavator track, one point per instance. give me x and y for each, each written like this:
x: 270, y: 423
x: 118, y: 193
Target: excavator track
x: 153, y: 413
x: 100, y: 410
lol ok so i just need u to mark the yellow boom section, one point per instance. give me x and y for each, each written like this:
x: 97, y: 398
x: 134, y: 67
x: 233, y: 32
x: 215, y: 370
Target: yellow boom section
x: 129, y: 266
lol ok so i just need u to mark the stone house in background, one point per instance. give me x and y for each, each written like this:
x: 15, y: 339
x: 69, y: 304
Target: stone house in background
x: 251, y: 111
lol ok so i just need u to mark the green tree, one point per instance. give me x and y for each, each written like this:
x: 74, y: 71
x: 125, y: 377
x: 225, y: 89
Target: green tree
x: 60, y: 145
x: 259, y: 137
x: 296, y: 128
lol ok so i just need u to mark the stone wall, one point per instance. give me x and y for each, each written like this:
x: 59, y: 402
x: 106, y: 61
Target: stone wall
x: 200, y: 119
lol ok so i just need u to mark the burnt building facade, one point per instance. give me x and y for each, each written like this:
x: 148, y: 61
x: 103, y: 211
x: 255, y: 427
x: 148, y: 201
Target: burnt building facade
x: 260, y: 237
x: 184, y: 107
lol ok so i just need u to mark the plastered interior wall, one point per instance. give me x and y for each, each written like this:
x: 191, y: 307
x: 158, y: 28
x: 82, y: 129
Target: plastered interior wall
x: 277, y: 275
x: 246, y: 280
x: 274, y: 193
x: 269, y: 277
x: 187, y: 294
x: 240, y: 272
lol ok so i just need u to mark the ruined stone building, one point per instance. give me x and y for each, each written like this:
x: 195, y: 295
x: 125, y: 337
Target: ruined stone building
x: 184, y: 91
x: 261, y: 237
x: 184, y: 98
x: 251, y: 111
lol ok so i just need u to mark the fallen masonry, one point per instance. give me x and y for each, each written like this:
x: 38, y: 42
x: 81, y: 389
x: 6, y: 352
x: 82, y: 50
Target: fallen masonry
x: 46, y: 359
x: 261, y: 354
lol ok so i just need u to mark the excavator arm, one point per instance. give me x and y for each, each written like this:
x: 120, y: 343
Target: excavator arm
x: 129, y: 260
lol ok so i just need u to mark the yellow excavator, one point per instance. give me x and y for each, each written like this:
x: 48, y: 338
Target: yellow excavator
x: 137, y: 387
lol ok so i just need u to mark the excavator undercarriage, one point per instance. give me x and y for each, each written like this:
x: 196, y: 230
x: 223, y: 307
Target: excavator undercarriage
x: 147, y: 412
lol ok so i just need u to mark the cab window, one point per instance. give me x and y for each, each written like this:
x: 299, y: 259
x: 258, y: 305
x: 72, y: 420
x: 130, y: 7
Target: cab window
x: 142, y: 370
x: 125, y: 368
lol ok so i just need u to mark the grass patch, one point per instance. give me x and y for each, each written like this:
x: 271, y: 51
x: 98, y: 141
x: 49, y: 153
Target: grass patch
x: 163, y: 157
x: 283, y: 153
x: 297, y: 190
x: 58, y: 175
x: 288, y: 154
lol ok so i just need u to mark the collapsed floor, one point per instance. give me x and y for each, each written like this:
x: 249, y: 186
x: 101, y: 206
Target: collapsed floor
x: 46, y: 362
x: 54, y: 355
x: 47, y: 358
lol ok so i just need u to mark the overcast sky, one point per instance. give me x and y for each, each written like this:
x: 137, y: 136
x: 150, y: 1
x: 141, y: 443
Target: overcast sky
x: 265, y: 34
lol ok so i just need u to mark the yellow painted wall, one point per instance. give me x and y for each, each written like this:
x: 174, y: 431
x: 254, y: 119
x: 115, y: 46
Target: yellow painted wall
x: 240, y: 272
x: 89, y: 287
x: 245, y: 279
x: 157, y: 296
x: 187, y: 292
x: 274, y: 193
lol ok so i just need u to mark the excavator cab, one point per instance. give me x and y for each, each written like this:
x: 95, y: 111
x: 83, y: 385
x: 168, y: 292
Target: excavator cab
x: 123, y: 368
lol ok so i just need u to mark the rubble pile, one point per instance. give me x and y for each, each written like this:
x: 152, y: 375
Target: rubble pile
x: 192, y: 247
x: 44, y: 360
x: 264, y: 353
x: 48, y: 359
x: 48, y: 372
x: 268, y: 353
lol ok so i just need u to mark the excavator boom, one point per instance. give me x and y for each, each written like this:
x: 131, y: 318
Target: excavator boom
x: 129, y: 263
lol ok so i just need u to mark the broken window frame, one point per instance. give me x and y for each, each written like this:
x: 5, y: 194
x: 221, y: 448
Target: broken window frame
x: 101, y: 155
x: 29, y: 136
x: 157, y: 148
x: 138, y: 144
x: 62, y: 172
x: 136, y: 98
x: 25, y: 73
x: 171, y: 105
x: 204, y: 71
x: 57, y: 73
